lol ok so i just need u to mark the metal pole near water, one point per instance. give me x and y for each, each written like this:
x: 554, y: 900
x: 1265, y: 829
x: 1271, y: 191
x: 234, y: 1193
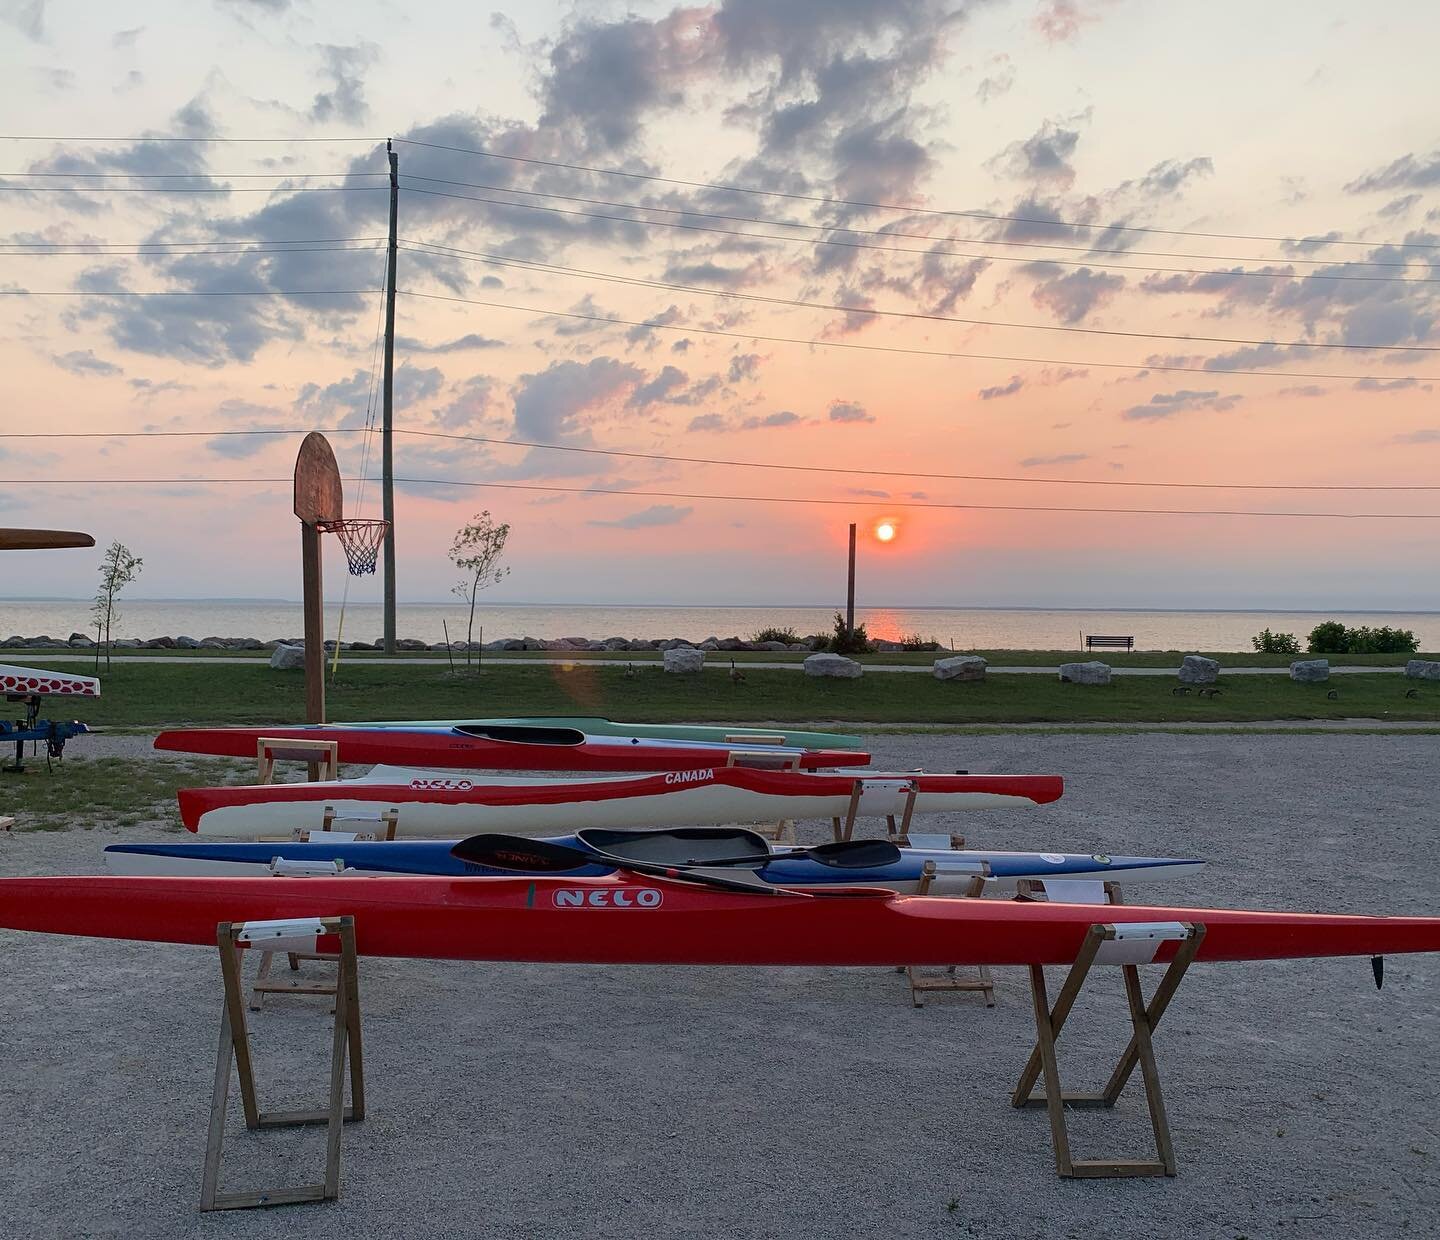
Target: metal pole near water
x: 850, y: 591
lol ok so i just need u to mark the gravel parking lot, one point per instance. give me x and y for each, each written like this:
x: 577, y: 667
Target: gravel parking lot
x: 513, y: 1100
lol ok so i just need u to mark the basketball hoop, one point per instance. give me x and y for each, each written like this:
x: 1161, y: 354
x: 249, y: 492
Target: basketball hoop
x: 361, y: 537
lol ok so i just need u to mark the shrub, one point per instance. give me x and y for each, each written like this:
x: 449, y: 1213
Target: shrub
x: 914, y: 641
x: 848, y: 640
x: 818, y: 641
x: 1328, y: 637
x: 1267, y: 642
x: 1332, y: 637
x: 788, y: 636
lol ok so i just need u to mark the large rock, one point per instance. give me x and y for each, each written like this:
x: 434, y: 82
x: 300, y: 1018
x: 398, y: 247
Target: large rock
x: 186, y: 643
x: 1310, y: 671
x: 684, y: 659
x: 771, y: 645
x: 1091, y: 673
x: 1423, y: 669
x: 80, y: 639
x: 833, y: 665
x: 1196, y: 669
x: 961, y: 667
x: 288, y: 658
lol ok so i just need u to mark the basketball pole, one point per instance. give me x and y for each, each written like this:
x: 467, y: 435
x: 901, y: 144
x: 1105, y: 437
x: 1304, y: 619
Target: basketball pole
x: 387, y: 427
x: 313, y: 586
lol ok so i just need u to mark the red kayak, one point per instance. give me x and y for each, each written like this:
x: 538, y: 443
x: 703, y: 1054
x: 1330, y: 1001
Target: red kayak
x: 630, y: 918
x: 506, y: 747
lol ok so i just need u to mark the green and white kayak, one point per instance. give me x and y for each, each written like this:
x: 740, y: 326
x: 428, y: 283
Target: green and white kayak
x: 646, y: 731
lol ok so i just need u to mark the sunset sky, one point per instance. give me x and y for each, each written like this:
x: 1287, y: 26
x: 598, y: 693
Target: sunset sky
x: 1100, y: 191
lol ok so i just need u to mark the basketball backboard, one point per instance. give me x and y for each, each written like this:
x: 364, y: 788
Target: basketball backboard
x: 32, y: 540
x: 318, y: 493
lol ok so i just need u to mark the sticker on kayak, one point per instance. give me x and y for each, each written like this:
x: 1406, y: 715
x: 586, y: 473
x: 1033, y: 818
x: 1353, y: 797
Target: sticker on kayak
x: 441, y: 785
x: 1100, y: 857
x: 607, y: 897
x: 688, y: 777
x: 1053, y: 858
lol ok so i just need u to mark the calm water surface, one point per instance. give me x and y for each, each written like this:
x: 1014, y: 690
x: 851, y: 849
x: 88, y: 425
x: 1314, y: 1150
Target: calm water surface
x: 980, y: 629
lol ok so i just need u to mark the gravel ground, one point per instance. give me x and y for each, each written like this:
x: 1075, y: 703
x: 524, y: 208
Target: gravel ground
x: 514, y: 1100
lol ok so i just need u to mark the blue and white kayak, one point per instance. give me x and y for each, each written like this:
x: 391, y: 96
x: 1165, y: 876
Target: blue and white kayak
x: 955, y: 869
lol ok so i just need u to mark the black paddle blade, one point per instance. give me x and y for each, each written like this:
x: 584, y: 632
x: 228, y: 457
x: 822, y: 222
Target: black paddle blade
x: 1377, y: 967
x: 855, y: 854
x: 515, y: 852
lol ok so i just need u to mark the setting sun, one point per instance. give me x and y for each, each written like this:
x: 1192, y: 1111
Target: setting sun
x: 885, y: 531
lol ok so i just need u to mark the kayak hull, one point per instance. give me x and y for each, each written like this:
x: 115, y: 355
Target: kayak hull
x: 434, y: 803
x: 551, y: 749
x: 628, y: 918
x: 592, y: 725
x: 363, y: 858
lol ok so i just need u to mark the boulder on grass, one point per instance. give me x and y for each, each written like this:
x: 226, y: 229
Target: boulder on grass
x: 684, y: 659
x: 833, y: 665
x: 961, y: 667
x: 1196, y: 669
x: 1423, y: 669
x: 288, y: 658
x: 1092, y: 673
x: 1310, y: 671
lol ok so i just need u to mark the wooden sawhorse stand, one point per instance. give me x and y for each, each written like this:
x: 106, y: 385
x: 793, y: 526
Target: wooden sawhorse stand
x: 1128, y: 946
x: 235, y: 1047
x: 758, y: 758
x: 320, y: 756
x: 921, y: 984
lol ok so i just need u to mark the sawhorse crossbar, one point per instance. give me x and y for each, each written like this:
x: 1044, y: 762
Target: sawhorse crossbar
x: 235, y: 1048
x: 1128, y: 946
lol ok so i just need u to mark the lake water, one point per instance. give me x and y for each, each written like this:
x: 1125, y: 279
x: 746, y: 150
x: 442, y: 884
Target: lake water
x: 978, y: 629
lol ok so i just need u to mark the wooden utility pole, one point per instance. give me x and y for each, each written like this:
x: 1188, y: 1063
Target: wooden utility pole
x: 388, y: 419
x: 850, y: 592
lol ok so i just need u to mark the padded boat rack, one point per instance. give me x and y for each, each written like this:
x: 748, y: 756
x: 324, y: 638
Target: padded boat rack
x: 1127, y: 946
x: 234, y: 1050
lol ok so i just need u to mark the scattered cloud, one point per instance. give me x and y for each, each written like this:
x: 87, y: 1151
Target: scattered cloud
x: 344, y: 98
x: 999, y: 78
x: 782, y: 417
x: 1429, y: 434
x: 460, y: 344
x: 866, y: 493
x: 1408, y: 172
x: 657, y: 514
x: 86, y: 363
x: 1169, y: 404
x: 1064, y: 458
x: 1002, y: 390
x: 1390, y: 385
x: 708, y: 422
x: 849, y: 411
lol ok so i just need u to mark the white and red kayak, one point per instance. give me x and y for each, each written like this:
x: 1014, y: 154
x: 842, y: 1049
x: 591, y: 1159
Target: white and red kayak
x: 507, y: 747
x: 27, y: 682
x: 447, y: 804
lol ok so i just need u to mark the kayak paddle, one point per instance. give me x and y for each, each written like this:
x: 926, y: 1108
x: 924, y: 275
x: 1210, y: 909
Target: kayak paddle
x: 517, y: 852
x: 844, y: 854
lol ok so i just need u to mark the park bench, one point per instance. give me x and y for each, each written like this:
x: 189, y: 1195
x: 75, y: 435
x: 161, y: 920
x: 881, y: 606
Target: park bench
x: 1109, y: 643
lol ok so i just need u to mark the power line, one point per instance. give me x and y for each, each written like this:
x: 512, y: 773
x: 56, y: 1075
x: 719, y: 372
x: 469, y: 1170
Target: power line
x: 884, y: 206
x: 752, y: 499
x: 209, y: 176
x: 900, y: 249
x: 234, y: 292
x: 190, y: 189
x: 236, y: 241
x: 908, y: 473
x: 33, y: 137
x: 882, y: 348
x: 151, y: 252
x: 885, y: 232
x: 706, y: 460
x: 526, y: 264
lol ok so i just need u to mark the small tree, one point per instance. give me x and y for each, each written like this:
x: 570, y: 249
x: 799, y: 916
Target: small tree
x: 477, y: 549
x: 117, y: 570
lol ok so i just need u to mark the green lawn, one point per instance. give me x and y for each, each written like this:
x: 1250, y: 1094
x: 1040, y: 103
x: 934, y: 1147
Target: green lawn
x: 150, y: 695
x: 108, y: 792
